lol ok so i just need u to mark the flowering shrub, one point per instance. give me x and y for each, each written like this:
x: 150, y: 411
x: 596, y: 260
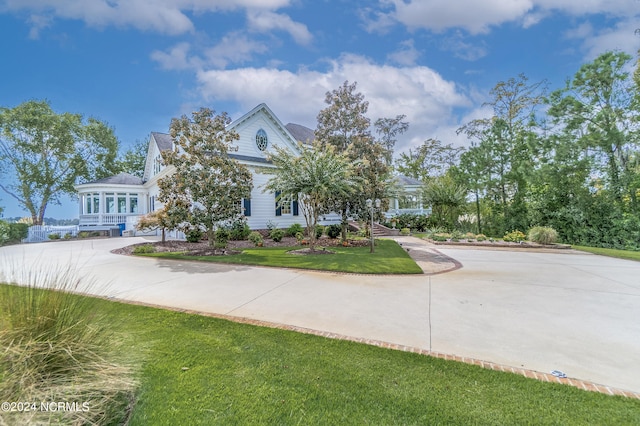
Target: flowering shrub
x: 514, y: 236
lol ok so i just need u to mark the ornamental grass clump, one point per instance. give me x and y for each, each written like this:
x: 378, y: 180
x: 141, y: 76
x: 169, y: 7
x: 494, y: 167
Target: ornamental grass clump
x: 543, y: 235
x: 55, y: 346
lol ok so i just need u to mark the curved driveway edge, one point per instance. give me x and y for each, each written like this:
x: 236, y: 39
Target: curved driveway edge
x: 536, y: 375
x: 533, y: 311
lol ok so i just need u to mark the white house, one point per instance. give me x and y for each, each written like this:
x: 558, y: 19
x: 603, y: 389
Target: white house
x: 118, y: 201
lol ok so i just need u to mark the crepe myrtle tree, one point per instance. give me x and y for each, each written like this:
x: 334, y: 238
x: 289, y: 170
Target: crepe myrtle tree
x: 314, y: 178
x: 173, y: 215
x: 202, y: 172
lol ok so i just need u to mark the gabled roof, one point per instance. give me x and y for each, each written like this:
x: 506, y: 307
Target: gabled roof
x: 406, y: 180
x: 163, y: 140
x: 263, y: 108
x: 301, y: 133
x: 119, y: 179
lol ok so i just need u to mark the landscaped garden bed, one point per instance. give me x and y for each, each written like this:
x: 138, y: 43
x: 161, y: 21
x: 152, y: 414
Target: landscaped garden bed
x: 202, y: 248
x: 330, y: 255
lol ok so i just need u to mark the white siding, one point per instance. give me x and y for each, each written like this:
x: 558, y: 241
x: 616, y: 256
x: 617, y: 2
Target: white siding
x: 248, y: 129
x: 263, y: 207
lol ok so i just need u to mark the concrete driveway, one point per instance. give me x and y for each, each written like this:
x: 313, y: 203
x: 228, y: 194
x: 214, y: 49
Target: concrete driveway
x: 568, y: 311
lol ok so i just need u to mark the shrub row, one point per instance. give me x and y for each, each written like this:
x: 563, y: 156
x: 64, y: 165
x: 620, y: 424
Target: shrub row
x: 11, y: 233
x: 537, y: 234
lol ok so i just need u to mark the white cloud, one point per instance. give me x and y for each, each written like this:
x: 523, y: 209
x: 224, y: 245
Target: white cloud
x: 38, y: 23
x: 163, y: 16
x: 462, y: 49
x: 406, y: 55
x: 478, y: 17
x: 418, y: 92
x: 474, y: 16
x: 619, y: 37
x: 176, y: 58
x: 234, y: 48
x: 265, y: 21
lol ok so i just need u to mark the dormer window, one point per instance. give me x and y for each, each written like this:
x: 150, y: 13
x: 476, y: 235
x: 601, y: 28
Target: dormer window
x: 262, y: 141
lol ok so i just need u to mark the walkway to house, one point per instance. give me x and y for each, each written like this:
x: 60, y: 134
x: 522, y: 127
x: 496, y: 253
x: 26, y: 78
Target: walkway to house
x: 530, y: 310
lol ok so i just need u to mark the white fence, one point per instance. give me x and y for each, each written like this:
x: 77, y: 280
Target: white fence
x: 39, y: 233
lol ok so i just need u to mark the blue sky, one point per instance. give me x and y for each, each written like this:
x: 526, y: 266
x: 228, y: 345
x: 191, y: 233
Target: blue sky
x: 137, y: 63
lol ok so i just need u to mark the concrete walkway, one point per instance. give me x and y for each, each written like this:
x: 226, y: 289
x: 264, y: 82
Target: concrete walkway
x: 567, y: 311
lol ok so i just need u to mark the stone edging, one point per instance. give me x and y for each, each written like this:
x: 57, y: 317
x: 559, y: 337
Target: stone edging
x: 581, y: 384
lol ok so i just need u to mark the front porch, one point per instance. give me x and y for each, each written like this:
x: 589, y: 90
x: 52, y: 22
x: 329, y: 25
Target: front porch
x: 108, y: 221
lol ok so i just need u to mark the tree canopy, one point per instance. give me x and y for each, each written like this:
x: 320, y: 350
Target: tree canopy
x: 573, y: 166
x: 344, y: 125
x: 204, y: 176
x: 43, y: 154
x: 314, y: 178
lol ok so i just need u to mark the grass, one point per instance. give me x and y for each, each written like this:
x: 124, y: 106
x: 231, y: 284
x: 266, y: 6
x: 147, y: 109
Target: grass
x: 389, y: 258
x: 55, y: 346
x: 620, y: 254
x: 206, y: 371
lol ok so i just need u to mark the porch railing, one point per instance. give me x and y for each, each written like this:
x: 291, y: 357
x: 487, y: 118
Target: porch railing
x: 395, y: 212
x: 106, y: 218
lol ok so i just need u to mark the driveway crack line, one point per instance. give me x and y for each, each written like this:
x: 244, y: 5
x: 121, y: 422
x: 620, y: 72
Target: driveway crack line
x: 264, y: 294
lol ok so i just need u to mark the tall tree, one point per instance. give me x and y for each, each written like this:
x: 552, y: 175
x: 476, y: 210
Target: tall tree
x: 344, y: 125
x: 473, y: 172
x: 132, y: 161
x: 429, y: 160
x: 204, y: 175
x: 44, y: 154
x: 314, y: 178
x: 509, y: 136
x: 388, y: 130
x: 596, y: 108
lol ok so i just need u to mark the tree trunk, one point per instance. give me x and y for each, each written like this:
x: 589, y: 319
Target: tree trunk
x: 478, y: 211
x: 211, y: 236
x: 344, y: 224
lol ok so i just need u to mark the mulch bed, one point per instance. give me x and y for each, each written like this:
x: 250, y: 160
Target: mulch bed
x: 202, y: 248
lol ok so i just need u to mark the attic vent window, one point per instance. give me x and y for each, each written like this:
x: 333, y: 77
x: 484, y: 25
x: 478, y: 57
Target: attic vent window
x: 262, y: 140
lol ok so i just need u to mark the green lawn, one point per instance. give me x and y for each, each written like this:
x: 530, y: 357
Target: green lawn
x: 243, y: 374
x: 620, y: 254
x: 389, y: 258
x: 197, y: 370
